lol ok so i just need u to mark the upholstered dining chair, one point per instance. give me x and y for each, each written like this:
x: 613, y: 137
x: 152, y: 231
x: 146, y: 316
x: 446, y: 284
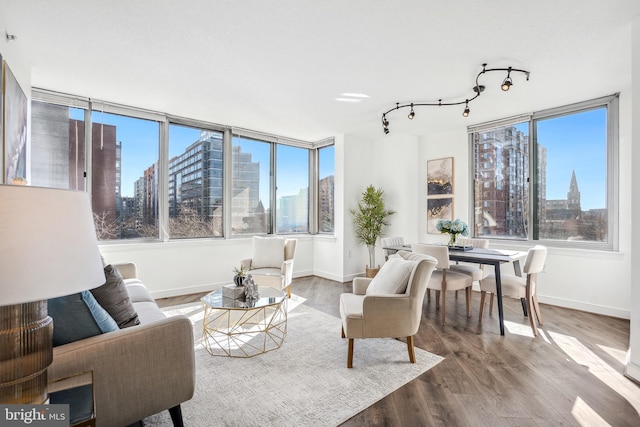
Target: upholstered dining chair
x: 272, y: 262
x: 523, y: 288
x: 476, y: 272
x: 390, y: 241
x: 443, y: 279
x: 388, y: 305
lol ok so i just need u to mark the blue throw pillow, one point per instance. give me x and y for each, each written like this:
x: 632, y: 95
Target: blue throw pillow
x: 73, y: 320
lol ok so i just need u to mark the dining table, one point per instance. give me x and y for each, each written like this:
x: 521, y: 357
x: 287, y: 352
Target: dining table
x: 494, y: 257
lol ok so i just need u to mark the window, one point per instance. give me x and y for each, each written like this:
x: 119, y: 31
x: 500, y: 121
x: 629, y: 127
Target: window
x: 195, y: 182
x: 250, y: 186
x: 124, y: 176
x: 292, y: 189
x: 326, y: 170
x: 568, y: 155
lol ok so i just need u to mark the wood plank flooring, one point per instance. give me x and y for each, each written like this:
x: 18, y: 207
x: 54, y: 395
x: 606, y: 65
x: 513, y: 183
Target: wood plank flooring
x: 570, y: 375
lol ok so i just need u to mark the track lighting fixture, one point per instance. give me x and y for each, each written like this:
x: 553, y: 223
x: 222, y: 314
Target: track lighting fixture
x: 411, y: 114
x: 477, y: 88
x: 465, y: 113
x: 506, y: 84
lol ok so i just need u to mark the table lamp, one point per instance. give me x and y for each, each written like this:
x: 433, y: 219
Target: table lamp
x: 48, y: 248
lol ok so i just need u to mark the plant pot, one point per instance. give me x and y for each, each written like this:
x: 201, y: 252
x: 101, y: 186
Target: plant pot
x: 371, y: 272
x: 238, y: 280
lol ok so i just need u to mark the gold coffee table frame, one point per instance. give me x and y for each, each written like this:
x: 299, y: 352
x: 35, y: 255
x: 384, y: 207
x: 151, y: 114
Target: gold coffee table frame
x: 236, y: 329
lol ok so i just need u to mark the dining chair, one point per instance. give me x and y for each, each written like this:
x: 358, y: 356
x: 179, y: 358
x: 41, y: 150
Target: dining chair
x: 523, y: 288
x: 390, y: 241
x: 443, y: 279
x: 476, y: 271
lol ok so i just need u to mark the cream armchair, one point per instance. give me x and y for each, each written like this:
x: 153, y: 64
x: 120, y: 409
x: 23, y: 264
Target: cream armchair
x: 389, y: 305
x: 272, y: 262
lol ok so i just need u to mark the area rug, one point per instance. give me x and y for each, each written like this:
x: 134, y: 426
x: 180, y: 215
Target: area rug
x: 305, y: 382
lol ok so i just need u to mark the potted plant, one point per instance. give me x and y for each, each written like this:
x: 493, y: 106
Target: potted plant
x: 240, y: 275
x: 370, y: 218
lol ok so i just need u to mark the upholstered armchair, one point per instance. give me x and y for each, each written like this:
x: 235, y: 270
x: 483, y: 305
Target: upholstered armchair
x: 389, y: 305
x: 272, y: 262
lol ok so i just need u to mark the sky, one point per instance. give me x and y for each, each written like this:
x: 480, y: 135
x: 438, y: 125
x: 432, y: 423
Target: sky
x: 140, y: 149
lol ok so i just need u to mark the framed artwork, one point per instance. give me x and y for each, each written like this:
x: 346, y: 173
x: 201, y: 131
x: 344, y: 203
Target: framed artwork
x: 437, y: 209
x: 440, y: 177
x: 439, y: 192
x: 14, y: 132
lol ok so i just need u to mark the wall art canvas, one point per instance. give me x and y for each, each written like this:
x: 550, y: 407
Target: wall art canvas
x: 14, y: 110
x: 1, y: 133
x: 437, y: 209
x: 440, y: 177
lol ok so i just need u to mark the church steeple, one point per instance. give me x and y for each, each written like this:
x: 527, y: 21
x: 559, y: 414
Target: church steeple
x: 573, y: 196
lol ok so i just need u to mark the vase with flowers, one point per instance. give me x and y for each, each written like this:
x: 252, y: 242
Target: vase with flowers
x: 241, y: 274
x: 453, y: 228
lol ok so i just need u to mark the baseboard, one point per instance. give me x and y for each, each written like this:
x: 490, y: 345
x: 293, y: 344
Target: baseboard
x: 591, y: 308
x: 632, y: 371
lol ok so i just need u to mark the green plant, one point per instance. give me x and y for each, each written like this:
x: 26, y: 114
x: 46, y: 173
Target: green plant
x: 242, y: 271
x: 370, y: 218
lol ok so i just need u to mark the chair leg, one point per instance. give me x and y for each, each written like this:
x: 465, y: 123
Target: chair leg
x: 483, y: 295
x: 428, y: 294
x: 456, y: 294
x: 437, y: 300
x: 343, y: 335
x: 467, y: 293
x: 412, y: 353
x: 289, y: 291
x: 176, y: 416
x: 531, y: 320
x: 491, y: 304
x: 442, y: 308
x: 523, y: 301
x: 350, y: 354
x: 536, y: 307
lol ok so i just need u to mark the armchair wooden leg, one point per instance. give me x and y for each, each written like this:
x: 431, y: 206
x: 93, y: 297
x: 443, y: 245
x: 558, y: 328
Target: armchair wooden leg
x: 343, y: 332
x: 483, y: 295
x: 176, y: 416
x: 350, y: 354
x: 289, y: 291
x: 412, y: 353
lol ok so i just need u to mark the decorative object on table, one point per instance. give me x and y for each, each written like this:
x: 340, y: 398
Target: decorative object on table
x: 234, y: 292
x: 36, y: 247
x: 241, y: 274
x: 370, y: 219
x: 250, y: 289
x: 439, y: 192
x: 453, y: 228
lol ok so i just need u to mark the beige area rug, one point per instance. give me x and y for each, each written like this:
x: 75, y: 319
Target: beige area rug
x: 304, y: 383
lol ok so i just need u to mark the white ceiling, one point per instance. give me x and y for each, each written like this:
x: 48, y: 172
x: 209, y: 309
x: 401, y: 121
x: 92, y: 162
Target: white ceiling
x: 277, y: 66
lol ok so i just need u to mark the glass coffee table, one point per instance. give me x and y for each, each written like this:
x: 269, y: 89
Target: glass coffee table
x: 236, y: 328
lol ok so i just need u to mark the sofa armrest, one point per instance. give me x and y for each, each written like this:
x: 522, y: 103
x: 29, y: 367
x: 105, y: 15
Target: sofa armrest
x: 360, y: 285
x: 127, y: 270
x: 137, y: 371
x: 287, y: 271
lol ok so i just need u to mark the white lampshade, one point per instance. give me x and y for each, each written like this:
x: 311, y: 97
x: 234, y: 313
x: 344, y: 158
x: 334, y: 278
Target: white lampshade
x: 48, y: 244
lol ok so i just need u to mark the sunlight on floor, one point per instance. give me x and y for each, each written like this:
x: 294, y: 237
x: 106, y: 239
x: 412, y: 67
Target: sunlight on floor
x: 619, y: 355
x: 518, y: 329
x: 599, y: 368
x: 585, y: 416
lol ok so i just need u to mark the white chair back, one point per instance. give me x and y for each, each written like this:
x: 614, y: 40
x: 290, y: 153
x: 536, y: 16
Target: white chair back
x: 439, y: 252
x: 476, y: 243
x: 534, y: 263
x: 390, y: 241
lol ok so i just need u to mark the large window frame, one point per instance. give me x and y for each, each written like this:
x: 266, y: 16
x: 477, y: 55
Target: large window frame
x: 611, y: 104
x: 165, y: 120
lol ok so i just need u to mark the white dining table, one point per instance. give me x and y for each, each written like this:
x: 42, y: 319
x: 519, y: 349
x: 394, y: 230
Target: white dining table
x: 493, y: 257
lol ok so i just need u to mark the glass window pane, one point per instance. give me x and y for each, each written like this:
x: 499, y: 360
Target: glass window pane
x: 57, y: 146
x: 124, y: 173
x: 501, y: 191
x: 195, y: 182
x: 292, y: 189
x: 572, y: 176
x: 326, y: 170
x: 250, y: 186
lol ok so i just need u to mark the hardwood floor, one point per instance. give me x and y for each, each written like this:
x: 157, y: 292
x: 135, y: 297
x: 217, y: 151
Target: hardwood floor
x: 571, y: 374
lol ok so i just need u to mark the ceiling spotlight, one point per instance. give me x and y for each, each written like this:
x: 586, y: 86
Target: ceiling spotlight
x: 411, y: 114
x: 385, y: 122
x: 386, y: 130
x: 506, y: 84
x: 465, y: 113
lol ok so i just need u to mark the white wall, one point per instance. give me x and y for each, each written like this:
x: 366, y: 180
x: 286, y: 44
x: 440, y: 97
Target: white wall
x: 633, y: 360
